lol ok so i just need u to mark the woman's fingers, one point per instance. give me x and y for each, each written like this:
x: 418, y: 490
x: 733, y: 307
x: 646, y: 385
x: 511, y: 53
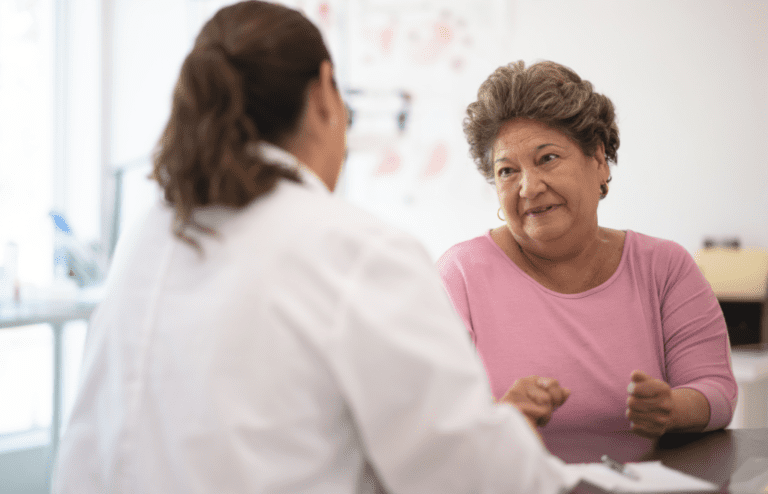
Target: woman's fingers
x: 652, y: 413
x: 538, y: 413
x: 649, y: 405
x: 557, y: 393
x: 537, y: 397
x: 648, y: 425
x: 646, y: 429
x: 647, y: 387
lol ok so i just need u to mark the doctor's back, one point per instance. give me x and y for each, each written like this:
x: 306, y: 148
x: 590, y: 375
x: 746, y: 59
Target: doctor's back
x: 259, y: 335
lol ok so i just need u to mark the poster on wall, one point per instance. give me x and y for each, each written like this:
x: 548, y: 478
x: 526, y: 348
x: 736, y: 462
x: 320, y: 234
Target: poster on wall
x: 411, y: 68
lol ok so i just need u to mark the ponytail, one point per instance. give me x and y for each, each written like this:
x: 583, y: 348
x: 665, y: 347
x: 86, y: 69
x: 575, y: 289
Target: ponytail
x: 244, y: 81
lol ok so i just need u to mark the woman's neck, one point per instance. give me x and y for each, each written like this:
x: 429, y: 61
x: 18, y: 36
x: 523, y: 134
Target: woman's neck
x: 587, y: 265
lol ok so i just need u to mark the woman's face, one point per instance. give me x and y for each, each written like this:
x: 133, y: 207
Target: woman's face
x: 328, y: 119
x: 340, y: 134
x: 548, y: 188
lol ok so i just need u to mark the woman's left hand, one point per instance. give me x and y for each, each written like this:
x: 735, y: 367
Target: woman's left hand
x: 650, y: 405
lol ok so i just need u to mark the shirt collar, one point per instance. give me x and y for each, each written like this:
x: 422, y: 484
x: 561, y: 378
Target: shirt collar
x: 278, y: 156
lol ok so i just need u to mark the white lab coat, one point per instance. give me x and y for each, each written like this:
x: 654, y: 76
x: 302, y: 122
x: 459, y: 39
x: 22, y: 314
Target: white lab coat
x: 312, y: 349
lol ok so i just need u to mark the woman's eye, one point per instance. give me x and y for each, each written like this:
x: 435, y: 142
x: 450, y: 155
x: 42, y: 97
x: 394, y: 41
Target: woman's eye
x: 505, y: 171
x: 547, y: 158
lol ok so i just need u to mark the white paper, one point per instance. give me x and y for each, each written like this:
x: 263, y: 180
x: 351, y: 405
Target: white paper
x: 654, y: 477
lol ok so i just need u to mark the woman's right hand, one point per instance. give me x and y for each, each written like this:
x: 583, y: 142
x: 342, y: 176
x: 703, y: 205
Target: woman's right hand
x: 537, y: 397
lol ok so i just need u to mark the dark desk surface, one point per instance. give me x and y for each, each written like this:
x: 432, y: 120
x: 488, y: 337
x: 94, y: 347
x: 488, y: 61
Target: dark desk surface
x: 713, y: 456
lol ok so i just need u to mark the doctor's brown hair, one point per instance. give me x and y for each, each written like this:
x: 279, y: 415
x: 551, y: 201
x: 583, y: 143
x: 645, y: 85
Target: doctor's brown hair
x: 549, y: 93
x: 245, y: 80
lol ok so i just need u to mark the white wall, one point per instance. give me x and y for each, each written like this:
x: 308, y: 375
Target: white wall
x: 149, y: 42
x: 27, y: 134
x: 80, y: 195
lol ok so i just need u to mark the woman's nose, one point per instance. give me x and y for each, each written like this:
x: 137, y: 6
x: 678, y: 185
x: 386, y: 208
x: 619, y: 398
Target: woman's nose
x: 531, y: 184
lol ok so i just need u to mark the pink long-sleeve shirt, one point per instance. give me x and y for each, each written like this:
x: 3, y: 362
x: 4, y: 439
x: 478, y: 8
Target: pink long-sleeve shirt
x: 656, y: 313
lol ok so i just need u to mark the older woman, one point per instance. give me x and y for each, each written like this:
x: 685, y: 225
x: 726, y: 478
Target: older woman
x: 619, y: 328
x: 261, y: 335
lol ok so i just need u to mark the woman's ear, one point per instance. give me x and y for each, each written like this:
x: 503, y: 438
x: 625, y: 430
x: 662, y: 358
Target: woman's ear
x: 324, y: 94
x: 324, y: 105
x: 321, y: 141
x: 602, y: 164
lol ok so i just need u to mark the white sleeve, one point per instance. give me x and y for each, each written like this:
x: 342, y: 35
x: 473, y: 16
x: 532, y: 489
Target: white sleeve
x: 417, y: 390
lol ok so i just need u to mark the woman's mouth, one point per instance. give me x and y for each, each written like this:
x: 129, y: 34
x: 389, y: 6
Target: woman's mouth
x: 541, y: 210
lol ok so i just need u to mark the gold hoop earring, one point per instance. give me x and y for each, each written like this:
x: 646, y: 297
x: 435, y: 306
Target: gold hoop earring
x: 603, y: 190
x: 498, y: 215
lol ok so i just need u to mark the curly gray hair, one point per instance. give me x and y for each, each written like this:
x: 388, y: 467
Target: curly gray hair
x: 549, y: 93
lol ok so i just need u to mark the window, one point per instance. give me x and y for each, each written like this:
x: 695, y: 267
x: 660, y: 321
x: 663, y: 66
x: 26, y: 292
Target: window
x: 27, y: 134
x: 49, y: 161
x: 27, y: 144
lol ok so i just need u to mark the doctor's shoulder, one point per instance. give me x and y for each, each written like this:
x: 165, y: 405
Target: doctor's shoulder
x: 325, y: 226
x: 356, y: 232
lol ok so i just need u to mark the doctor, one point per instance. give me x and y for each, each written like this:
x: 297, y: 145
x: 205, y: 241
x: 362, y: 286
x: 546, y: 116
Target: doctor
x: 261, y: 336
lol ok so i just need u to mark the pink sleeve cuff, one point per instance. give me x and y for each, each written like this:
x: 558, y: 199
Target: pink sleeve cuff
x: 720, y: 407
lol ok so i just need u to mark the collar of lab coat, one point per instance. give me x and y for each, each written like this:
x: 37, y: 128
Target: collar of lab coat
x: 279, y: 156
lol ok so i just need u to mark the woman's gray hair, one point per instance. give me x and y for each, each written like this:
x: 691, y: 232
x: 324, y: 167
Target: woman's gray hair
x: 546, y: 92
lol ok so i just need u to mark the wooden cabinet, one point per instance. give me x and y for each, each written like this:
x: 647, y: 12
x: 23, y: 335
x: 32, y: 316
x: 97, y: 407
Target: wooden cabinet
x: 739, y: 278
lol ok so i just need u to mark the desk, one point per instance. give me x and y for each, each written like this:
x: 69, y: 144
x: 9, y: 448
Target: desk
x: 713, y: 456
x: 56, y: 313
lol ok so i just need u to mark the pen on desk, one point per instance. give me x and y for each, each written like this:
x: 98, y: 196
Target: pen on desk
x: 619, y: 467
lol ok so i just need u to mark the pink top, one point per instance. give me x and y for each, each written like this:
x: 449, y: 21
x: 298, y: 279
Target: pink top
x: 656, y: 313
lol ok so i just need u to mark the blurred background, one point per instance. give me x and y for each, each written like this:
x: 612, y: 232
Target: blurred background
x: 85, y: 91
